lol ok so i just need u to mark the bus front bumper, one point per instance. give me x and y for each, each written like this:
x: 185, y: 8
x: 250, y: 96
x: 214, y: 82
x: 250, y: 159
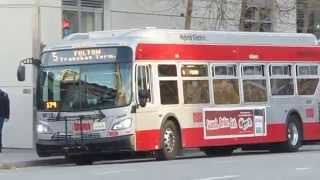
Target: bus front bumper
x: 97, y: 146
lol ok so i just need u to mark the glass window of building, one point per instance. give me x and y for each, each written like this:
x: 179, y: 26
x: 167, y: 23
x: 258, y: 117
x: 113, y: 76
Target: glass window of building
x: 82, y: 16
x: 308, y: 17
x: 256, y: 15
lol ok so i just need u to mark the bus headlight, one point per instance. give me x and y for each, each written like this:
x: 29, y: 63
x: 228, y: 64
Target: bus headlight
x: 124, y: 124
x: 41, y: 128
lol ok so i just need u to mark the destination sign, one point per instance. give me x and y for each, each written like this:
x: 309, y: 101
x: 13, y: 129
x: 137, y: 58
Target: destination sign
x: 90, y: 55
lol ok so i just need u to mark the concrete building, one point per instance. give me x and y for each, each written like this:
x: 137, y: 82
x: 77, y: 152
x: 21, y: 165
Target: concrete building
x: 27, y: 25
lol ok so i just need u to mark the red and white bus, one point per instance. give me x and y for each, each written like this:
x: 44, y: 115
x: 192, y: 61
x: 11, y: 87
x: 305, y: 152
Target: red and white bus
x: 160, y: 90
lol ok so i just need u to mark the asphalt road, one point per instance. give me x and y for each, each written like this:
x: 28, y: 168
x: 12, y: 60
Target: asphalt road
x: 303, y: 165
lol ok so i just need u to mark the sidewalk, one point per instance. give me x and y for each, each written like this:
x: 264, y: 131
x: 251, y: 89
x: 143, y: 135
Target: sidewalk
x: 17, y: 158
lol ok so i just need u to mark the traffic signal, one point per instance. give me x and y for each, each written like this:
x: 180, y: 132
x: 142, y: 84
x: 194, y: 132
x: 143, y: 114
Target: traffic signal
x: 66, y: 27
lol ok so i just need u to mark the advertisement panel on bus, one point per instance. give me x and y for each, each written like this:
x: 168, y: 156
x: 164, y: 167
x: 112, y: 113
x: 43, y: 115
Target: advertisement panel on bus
x: 234, y: 122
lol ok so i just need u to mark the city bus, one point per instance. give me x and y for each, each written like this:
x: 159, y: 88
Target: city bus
x: 160, y: 91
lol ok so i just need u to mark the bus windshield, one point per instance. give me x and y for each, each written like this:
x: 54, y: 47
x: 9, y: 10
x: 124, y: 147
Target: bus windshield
x: 85, y: 87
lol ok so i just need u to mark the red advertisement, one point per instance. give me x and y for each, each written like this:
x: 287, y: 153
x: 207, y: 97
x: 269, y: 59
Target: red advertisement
x: 234, y: 123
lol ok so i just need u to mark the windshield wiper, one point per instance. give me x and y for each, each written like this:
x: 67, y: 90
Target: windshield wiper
x: 101, y: 114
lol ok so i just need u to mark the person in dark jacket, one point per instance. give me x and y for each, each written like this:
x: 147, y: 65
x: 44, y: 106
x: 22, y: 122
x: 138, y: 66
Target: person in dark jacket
x: 4, y: 112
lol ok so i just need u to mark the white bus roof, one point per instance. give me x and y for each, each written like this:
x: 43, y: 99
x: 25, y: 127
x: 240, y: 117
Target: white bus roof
x: 171, y: 36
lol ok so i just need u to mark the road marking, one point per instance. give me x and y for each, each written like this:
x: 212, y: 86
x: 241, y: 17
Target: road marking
x: 302, y: 169
x: 220, y: 177
x: 114, y: 172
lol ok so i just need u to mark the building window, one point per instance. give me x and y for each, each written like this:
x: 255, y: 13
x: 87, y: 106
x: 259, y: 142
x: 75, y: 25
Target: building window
x: 82, y: 16
x: 308, y: 14
x: 256, y: 15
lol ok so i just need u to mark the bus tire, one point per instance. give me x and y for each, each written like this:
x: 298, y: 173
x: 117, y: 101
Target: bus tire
x: 170, y: 142
x: 41, y: 151
x: 226, y: 151
x: 294, y: 136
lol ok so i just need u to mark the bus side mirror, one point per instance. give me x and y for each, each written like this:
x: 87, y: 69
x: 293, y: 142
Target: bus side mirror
x: 21, y: 73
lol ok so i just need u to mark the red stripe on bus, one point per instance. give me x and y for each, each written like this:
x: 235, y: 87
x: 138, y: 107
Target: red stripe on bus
x: 311, y: 131
x: 225, y: 52
x: 147, y: 140
x: 194, y: 137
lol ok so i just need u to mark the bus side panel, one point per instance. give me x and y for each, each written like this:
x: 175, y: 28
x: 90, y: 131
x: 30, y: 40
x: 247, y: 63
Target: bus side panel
x: 147, y: 140
x: 311, y: 131
x: 194, y: 137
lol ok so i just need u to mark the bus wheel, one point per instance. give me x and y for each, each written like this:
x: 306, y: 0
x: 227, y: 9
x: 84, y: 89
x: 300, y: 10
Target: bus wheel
x: 41, y: 151
x: 293, y: 135
x: 170, y: 141
x: 227, y: 151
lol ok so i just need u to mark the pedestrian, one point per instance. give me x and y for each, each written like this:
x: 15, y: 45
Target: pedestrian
x: 4, y: 112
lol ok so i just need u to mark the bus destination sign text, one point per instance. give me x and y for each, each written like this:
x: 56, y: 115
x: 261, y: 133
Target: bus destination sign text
x: 83, y: 55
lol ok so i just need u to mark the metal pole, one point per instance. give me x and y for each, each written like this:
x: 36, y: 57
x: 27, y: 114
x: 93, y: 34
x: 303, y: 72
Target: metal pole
x: 188, y: 14
x: 36, y: 34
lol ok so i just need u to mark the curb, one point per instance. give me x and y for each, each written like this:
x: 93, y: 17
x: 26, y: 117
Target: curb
x: 5, y: 166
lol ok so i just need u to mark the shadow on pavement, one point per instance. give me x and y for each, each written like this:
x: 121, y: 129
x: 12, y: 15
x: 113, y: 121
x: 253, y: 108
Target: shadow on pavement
x: 139, y: 158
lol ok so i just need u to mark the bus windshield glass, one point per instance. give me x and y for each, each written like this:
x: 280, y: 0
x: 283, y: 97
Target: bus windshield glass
x: 84, y: 86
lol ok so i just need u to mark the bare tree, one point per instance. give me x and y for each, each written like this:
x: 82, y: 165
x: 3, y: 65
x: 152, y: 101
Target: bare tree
x: 217, y: 14
x: 242, y: 15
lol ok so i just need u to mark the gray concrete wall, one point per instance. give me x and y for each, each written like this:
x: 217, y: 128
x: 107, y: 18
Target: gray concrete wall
x: 21, y: 22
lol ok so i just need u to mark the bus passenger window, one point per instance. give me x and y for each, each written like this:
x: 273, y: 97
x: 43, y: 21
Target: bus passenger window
x: 167, y: 70
x: 194, y: 70
x: 226, y: 91
x: 254, y: 83
x: 169, y: 92
x: 195, y: 83
x: 307, y: 86
x: 307, y: 79
x: 255, y: 90
x: 168, y: 87
x: 281, y: 80
x: 225, y: 84
x: 196, y: 91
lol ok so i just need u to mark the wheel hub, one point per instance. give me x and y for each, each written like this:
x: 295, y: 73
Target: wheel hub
x: 293, y: 134
x: 169, y: 140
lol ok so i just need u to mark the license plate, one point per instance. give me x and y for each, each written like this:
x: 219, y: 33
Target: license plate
x: 99, y: 126
x: 84, y: 127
